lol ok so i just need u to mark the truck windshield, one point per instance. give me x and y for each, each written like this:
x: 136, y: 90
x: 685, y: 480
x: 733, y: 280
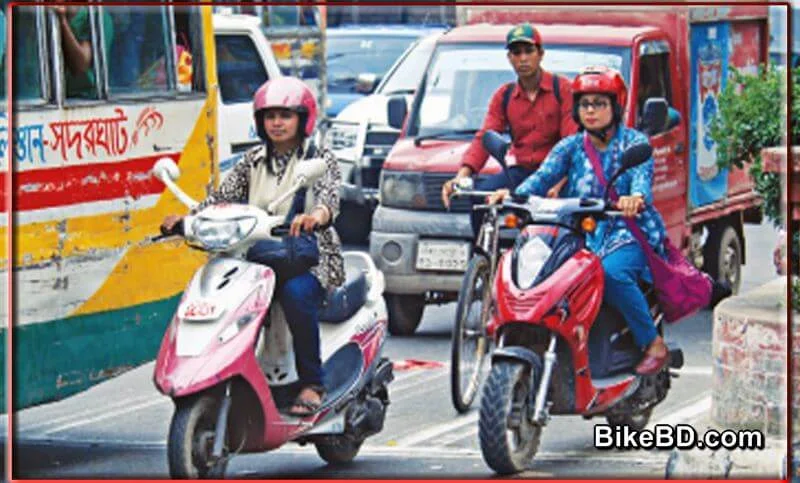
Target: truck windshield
x: 462, y: 78
x: 349, y: 56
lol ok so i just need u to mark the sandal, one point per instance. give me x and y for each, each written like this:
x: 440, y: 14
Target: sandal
x: 311, y: 407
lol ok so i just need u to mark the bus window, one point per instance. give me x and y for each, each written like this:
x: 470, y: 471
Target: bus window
x: 239, y: 68
x: 138, y: 62
x: 189, y: 41
x: 28, y: 64
x: 79, y: 50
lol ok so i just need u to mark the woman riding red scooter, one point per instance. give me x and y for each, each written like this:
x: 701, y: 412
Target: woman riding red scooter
x: 599, y: 99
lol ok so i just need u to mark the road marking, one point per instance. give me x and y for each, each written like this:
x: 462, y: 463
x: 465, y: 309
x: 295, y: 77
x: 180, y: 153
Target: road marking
x: 416, y: 382
x: 19, y: 426
x: 686, y: 413
x: 695, y: 371
x: 111, y: 414
x: 438, y: 429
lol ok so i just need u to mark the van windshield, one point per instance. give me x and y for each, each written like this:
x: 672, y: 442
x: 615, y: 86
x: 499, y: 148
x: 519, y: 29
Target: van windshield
x: 462, y: 78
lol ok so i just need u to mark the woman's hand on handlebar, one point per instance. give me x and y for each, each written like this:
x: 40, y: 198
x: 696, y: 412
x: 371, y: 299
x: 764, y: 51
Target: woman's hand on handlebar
x: 630, y: 206
x: 306, y: 223
x: 498, y: 196
x: 168, y: 225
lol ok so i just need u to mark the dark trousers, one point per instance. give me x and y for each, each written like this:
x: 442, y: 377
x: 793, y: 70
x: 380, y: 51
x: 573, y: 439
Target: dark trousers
x: 301, y: 298
x: 517, y: 175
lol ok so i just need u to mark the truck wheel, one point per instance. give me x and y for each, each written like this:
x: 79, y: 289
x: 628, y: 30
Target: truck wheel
x: 405, y: 312
x: 722, y: 256
x: 354, y: 223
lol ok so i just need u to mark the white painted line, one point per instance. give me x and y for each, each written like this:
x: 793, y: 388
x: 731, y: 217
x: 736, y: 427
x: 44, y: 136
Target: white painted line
x: 686, y: 413
x: 49, y: 421
x: 111, y: 414
x: 438, y: 429
x: 416, y: 382
x: 695, y: 371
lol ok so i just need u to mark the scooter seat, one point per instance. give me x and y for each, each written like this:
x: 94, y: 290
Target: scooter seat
x: 345, y: 301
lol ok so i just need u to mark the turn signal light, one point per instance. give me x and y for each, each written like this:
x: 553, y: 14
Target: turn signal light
x: 589, y: 224
x: 511, y: 221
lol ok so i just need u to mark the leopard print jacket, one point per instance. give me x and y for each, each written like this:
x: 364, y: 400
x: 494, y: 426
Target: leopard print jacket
x: 235, y: 189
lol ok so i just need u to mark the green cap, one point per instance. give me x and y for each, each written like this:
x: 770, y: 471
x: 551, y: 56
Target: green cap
x: 523, y: 33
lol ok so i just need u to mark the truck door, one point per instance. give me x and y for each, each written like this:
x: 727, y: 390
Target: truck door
x: 654, y: 71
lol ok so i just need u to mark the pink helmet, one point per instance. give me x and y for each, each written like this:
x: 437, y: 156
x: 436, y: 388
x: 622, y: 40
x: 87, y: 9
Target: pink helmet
x: 288, y: 93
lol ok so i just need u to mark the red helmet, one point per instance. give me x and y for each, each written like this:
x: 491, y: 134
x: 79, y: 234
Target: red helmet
x: 287, y: 93
x: 601, y: 80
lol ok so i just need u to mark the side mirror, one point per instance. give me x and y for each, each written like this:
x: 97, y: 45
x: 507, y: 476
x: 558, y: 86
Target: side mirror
x: 635, y: 155
x: 308, y: 171
x: 366, y: 82
x: 397, y: 110
x: 496, y: 145
x: 631, y: 157
x: 166, y: 169
x: 654, y: 115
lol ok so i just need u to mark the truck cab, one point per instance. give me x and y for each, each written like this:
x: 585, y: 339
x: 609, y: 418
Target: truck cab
x: 423, y: 249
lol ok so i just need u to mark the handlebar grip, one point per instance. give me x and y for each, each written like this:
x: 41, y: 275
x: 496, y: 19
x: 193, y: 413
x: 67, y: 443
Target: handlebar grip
x: 177, y: 229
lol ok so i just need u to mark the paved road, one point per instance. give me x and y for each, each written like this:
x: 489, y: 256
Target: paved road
x: 118, y: 429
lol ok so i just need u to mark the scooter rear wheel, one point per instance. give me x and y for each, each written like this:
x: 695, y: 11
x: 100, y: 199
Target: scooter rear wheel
x: 637, y: 421
x: 338, y: 450
x: 470, y: 341
x: 508, y: 438
x: 191, y: 440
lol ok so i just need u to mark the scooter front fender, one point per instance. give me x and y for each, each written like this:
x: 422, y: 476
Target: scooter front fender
x: 520, y: 354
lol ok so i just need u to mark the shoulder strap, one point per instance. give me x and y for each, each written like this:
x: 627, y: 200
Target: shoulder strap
x: 506, y: 100
x: 557, y: 88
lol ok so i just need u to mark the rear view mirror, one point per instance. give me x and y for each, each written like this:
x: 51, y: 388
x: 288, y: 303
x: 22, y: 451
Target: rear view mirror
x: 654, y: 116
x: 165, y: 168
x: 398, y: 109
x: 496, y: 145
x: 366, y: 82
x: 307, y: 172
x: 635, y: 155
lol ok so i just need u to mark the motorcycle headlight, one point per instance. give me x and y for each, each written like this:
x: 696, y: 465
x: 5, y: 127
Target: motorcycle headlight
x: 530, y: 260
x: 222, y: 234
x: 402, y: 190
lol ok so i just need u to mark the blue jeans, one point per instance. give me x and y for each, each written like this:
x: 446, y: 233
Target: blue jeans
x: 518, y: 174
x: 301, y: 298
x: 623, y: 268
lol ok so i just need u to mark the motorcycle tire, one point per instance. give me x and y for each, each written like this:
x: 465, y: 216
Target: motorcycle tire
x: 405, y: 312
x: 507, y: 438
x: 338, y: 450
x: 191, y: 439
x: 469, y: 334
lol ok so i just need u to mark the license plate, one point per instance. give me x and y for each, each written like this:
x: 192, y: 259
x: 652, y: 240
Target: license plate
x: 200, y: 309
x: 442, y: 255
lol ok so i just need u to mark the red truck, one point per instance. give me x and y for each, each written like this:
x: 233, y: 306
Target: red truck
x: 679, y: 53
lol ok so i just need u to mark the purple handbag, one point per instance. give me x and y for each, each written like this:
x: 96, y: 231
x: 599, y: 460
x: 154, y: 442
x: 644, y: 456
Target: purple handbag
x: 681, y: 289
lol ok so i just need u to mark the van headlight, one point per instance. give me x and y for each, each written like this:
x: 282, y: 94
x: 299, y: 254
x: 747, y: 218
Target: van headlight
x: 530, y: 260
x: 222, y: 234
x: 401, y: 189
x: 342, y: 137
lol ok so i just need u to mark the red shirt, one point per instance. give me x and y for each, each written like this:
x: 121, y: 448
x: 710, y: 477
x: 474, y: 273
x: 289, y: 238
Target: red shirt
x: 536, y: 126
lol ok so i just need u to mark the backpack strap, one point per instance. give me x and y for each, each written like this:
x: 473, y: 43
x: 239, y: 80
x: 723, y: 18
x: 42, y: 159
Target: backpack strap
x: 557, y: 87
x: 506, y: 100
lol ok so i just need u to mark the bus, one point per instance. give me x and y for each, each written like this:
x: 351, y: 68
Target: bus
x: 92, y: 295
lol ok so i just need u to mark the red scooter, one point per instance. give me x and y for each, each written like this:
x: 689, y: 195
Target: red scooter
x: 560, y: 350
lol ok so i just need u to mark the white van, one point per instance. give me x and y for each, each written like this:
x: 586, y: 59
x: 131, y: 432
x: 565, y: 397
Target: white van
x: 244, y: 62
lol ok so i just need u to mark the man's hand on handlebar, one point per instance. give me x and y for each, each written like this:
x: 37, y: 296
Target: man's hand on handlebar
x: 448, y: 186
x: 498, y: 196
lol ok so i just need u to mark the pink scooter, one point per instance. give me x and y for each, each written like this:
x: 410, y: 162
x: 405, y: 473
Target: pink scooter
x: 226, y: 359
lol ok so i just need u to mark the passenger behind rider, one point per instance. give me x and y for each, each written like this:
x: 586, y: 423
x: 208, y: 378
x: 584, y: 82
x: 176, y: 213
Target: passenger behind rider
x: 536, y: 119
x: 285, y: 116
x: 599, y: 96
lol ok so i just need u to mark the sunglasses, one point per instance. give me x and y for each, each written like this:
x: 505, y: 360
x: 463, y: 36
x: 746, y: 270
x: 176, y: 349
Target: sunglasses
x: 597, y: 105
x: 518, y: 50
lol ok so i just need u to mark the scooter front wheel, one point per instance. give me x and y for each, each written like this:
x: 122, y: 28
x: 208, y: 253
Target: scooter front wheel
x: 508, y: 438
x: 470, y: 340
x: 191, y: 440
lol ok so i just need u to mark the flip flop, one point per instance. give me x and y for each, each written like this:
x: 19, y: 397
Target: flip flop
x: 312, y: 407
